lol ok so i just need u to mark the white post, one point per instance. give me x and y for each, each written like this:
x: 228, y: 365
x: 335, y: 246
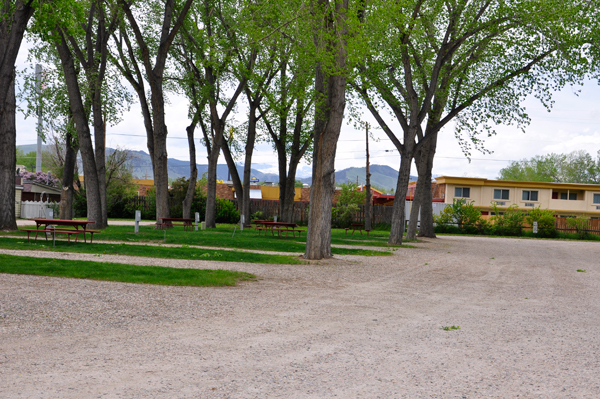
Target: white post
x: 197, y: 220
x: 49, y: 213
x: 138, y: 217
x: 241, y: 222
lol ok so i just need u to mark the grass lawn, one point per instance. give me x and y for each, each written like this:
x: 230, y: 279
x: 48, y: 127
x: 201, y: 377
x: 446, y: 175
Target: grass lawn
x: 120, y: 272
x: 223, y: 236
x: 151, y: 251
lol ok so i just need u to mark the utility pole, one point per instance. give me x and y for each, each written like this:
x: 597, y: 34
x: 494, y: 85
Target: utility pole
x: 38, y: 89
x: 368, y: 188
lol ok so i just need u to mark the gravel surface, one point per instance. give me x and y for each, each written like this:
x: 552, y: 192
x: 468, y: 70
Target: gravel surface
x: 349, y: 327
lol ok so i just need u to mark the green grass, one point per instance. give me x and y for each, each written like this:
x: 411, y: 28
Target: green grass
x: 581, y: 270
x: 120, y: 272
x: 152, y: 251
x: 450, y: 328
x: 223, y: 236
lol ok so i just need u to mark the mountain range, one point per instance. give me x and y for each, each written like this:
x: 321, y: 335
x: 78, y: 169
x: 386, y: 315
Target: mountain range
x: 382, y: 176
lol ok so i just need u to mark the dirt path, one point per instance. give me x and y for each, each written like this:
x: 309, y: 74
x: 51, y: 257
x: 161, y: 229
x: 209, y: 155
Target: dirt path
x: 351, y: 327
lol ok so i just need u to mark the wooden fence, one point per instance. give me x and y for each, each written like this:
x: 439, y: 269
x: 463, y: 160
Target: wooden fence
x: 592, y: 226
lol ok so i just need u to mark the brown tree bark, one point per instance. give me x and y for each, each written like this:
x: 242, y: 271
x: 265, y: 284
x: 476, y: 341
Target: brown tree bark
x: 66, y: 196
x: 330, y: 106
x: 80, y: 119
x: 14, y: 17
x: 154, y: 73
x: 189, y: 195
x: 8, y: 160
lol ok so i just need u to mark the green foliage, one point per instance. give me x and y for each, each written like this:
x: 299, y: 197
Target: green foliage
x: 580, y: 225
x: 545, y: 220
x: 226, y: 212
x: 258, y: 215
x: 28, y: 160
x: 461, y: 213
x: 575, y: 167
x: 510, y: 223
x: 348, y: 204
x: 450, y: 328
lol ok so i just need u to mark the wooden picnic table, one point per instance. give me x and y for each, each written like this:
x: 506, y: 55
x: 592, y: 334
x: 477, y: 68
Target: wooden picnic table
x: 167, y: 223
x: 278, y: 227
x: 76, y: 227
x: 357, y: 226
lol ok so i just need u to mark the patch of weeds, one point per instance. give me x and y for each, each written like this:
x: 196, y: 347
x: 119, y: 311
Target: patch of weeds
x: 185, y: 246
x: 581, y: 271
x: 450, y: 328
x: 209, y: 255
x: 98, y: 255
x: 493, y: 258
x: 426, y: 263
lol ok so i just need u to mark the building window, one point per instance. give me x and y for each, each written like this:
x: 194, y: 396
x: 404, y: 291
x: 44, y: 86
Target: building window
x: 563, y: 196
x: 462, y: 192
x: 500, y: 194
x: 530, y: 195
x: 596, y: 198
x: 572, y: 196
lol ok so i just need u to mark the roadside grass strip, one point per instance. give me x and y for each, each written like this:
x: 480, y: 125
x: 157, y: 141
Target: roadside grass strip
x: 152, y: 251
x: 121, y: 272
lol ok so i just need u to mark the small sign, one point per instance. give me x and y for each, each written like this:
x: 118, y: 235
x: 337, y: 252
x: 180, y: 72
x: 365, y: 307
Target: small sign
x: 138, y: 217
x: 49, y: 213
x: 535, y: 227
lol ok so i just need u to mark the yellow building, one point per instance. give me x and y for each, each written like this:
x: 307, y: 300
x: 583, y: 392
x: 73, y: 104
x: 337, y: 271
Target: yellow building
x: 563, y: 198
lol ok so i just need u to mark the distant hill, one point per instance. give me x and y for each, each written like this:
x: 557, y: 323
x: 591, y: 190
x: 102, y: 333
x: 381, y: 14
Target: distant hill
x: 381, y: 176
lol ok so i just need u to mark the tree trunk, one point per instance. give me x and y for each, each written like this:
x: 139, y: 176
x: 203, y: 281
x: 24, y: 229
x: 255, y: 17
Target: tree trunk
x: 189, y: 195
x: 398, y: 216
x: 235, y: 176
x: 8, y: 160
x: 94, y: 207
x: 245, y: 204
x: 328, y: 122
x: 100, y: 157
x: 427, y: 229
x: 14, y: 17
x: 160, y: 168
x: 66, y: 196
x: 211, y: 185
x: 318, y: 235
x: 289, y: 192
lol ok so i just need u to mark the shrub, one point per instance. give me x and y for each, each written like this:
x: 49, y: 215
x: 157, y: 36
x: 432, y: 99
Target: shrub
x: 258, y: 215
x: 226, y: 212
x: 546, y: 222
x: 461, y: 213
x: 580, y: 225
x: 510, y: 223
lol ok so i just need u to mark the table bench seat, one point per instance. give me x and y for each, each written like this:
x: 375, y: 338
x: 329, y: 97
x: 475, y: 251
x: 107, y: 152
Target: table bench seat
x: 69, y: 233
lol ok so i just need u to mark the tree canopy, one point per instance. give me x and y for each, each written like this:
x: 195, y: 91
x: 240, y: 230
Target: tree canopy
x: 574, y: 167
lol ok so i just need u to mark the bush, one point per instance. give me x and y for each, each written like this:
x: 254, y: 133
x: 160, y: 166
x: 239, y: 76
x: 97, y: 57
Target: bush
x: 226, y: 212
x: 510, y: 223
x: 343, y: 214
x: 258, y: 215
x: 546, y: 222
x: 461, y: 213
x: 580, y: 225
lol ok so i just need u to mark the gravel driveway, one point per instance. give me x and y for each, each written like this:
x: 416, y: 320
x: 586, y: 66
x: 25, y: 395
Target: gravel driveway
x: 350, y: 327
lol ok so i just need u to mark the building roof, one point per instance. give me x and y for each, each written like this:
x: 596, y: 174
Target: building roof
x: 474, y: 181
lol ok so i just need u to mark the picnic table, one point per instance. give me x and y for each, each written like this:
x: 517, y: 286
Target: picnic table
x: 278, y: 227
x: 49, y: 226
x: 167, y: 223
x: 357, y: 226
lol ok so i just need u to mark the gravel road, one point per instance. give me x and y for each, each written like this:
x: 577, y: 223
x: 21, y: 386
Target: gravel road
x: 350, y: 327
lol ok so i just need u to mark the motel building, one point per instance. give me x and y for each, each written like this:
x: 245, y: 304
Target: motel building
x: 565, y: 199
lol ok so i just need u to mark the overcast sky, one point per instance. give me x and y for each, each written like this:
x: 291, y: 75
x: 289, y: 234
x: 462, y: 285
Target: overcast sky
x: 572, y: 125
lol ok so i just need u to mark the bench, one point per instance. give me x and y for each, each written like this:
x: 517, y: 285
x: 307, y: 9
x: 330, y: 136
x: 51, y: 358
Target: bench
x: 69, y: 233
x: 357, y: 226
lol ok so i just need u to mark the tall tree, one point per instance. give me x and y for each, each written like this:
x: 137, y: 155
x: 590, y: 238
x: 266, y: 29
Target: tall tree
x: 471, y: 62
x: 330, y: 34
x: 215, y: 53
x: 146, y: 60
x: 14, y: 17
